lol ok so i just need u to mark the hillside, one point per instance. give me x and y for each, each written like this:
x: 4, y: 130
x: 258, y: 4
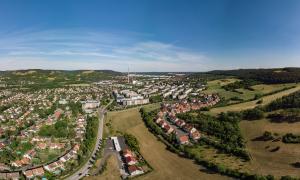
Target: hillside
x: 268, y: 76
x: 54, y: 78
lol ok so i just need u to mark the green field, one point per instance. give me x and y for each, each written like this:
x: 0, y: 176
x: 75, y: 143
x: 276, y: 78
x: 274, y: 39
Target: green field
x: 252, y: 104
x: 165, y: 163
x: 243, y: 94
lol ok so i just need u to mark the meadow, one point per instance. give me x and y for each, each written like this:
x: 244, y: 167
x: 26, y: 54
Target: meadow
x: 264, y: 160
x: 251, y: 104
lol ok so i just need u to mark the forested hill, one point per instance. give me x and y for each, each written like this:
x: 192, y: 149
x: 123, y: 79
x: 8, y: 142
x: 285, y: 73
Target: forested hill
x: 268, y: 76
x: 40, y: 77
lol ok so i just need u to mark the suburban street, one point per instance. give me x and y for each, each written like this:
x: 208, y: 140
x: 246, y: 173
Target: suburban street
x: 83, y: 171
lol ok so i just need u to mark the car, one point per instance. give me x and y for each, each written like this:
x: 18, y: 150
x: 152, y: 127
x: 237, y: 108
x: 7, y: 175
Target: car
x: 79, y: 174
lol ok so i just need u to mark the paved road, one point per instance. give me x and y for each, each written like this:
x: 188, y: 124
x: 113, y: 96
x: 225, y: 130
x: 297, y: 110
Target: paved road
x: 83, y: 171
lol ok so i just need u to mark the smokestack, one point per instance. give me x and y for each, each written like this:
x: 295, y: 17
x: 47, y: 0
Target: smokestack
x: 128, y: 75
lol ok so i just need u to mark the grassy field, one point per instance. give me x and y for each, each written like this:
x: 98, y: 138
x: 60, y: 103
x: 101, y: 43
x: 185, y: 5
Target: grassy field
x: 263, y: 160
x: 166, y: 165
x: 268, y: 88
x: 215, y: 86
x: 252, y: 104
x: 111, y: 172
x: 244, y: 94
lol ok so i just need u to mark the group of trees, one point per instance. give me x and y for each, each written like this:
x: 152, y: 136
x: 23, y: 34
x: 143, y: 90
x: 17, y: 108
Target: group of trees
x: 4, y: 107
x: 76, y: 108
x: 44, y: 113
x: 291, y: 138
x: 61, y: 129
x: 90, y: 135
x: 253, y: 114
x: 245, y: 84
x: 224, y: 128
x: 132, y: 142
x: 289, y: 101
x: 155, y: 99
x: 287, y: 115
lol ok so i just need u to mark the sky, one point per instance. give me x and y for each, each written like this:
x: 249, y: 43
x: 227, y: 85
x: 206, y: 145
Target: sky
x: 149, y: 35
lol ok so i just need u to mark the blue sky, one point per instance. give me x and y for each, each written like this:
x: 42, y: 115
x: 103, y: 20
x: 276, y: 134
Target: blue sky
x: 152, y: 35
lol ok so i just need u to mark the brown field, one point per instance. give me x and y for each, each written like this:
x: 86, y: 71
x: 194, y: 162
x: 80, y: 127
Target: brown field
x: 265, y: 162
x: 252, y: 104
x: 166, y: 164
x: 111, y: 172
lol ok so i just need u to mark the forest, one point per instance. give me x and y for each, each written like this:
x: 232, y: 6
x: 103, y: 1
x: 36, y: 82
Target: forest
x: 267, y: 76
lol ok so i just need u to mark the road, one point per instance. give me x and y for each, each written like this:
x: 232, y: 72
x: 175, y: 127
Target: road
x: 84, y: 170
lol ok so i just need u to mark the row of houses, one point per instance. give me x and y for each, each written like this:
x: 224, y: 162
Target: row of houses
x: 80, y: 128
x: 167, y: 120
x: 131, y: 162
x: 57, y: 166
x: 54, y: 167
x: 129, y: 158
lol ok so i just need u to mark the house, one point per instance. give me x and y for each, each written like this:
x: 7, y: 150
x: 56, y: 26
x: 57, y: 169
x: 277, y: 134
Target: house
x: 57, y: 146
x: 54, y: 166
x: 57, y: 114
x: 162, y: 124
x: 2, y: 145
x: 189, y: 128
x: 173, y: 118
x: 160, y: 114
x: 130, y: 160
x: 135, y: 170
x: 38, y: 171
x: 180, y: 123
x: 195, y: 135
x: 17, y: 163
x: 4, y: 167
x: 183, y: 139
x: 30, y: 154
x: 28, y: 174
x: 127, y: 153
x: 158, y: 120
x: 42, y: 146
x: 168, y: 129
x: 13, y: 176
x: 76, y: 148
x: 25, y: 161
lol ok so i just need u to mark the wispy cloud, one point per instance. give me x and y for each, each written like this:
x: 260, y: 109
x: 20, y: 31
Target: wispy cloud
x: 84, y: 49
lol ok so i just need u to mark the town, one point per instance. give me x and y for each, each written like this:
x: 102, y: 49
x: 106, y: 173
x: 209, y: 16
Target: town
x: 42, y: 131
